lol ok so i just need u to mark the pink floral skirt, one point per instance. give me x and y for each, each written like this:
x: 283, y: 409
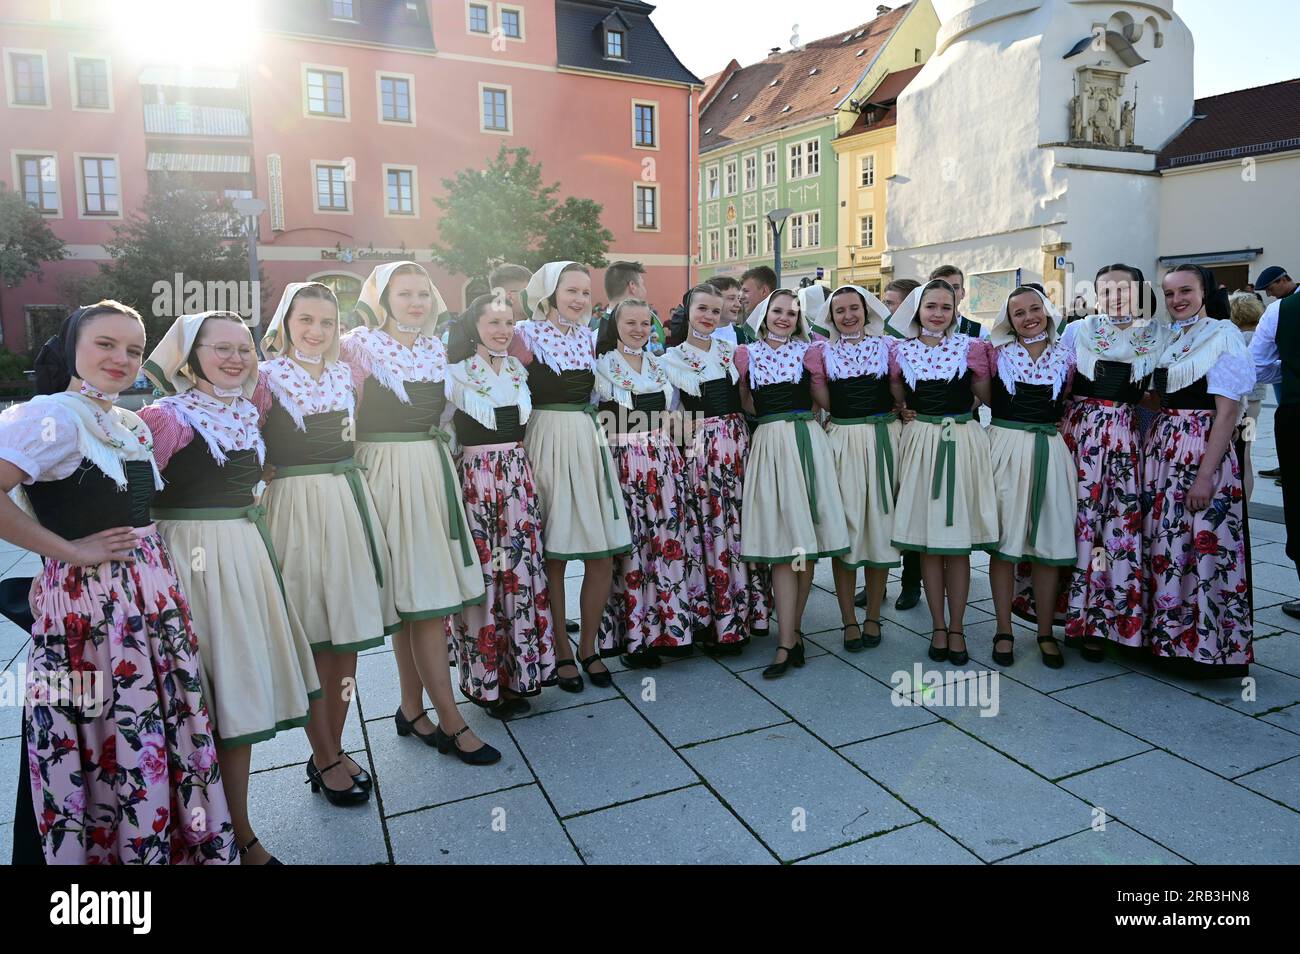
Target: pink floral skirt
x: 1198, y: 605
x: 120, y: 752
x: 508, y: 640
x: 658, y: 593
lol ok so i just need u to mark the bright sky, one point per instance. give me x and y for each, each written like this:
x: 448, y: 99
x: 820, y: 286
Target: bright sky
x: 1254, y: 41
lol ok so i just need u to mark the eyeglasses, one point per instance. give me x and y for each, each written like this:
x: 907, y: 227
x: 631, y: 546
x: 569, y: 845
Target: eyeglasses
x: 227, y: 351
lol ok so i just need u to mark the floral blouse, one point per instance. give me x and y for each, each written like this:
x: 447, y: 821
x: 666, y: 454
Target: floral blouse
x: 474, y: 388
x: 379, y: 355
x: 689, y: 367
x: 617, y: 381
x: 759, y: 364
x: 843, y: 359
x: 301, y: 395
x: 560, y: 351
x: 913, y: 360
x: 1055, y: 366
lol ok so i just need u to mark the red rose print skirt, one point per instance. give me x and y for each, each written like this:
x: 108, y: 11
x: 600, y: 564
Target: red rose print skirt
x: 508, y: 640
x: 658, y: 594
x: 120, y: 753
x: 1198, y: 603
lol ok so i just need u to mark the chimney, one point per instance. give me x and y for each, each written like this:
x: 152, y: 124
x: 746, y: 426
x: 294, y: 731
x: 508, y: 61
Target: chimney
x: 882, y: 10
x: 773, y: 51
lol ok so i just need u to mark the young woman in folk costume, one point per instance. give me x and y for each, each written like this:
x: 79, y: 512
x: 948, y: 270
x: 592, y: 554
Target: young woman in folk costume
x: 582, y: 508
x: 658, y: 589
x: 946, y: 504
x: 1113, y: 353
x: 852, y: 381
x: 258, y: 669
x: 1194, y: 529
x: 435, y: 570
x: 120, y: 783
x: 702, y: 369
x: 326, y: 532
x: 1033, y: 470
x: 504, y: 648
x: 793, y: 514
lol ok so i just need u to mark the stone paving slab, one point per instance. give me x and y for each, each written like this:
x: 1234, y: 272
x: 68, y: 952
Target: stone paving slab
x: 761, y: 651
x: 1279, y: 782
x: 9, y: 768
x: 11, y: 716
x: 1273, y: 620
x: 916, y: 844
x: 796, y: 794
x: 593, y: 756
x: 1288, y: 718
x: 292, y: 747
x: 514, y: 827
x: 1214, y: 736
x: 689, y: 826
x: 1280, y: 652
x: 6, y: 843
x: 1027, y: 667
x: 13, y: 644
x: 985, y: 801
x: 1201, y: 816
x: 1116, y: 844
x: 697, y: 700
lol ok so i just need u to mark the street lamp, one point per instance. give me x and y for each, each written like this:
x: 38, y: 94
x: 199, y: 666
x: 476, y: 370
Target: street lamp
x: 251, y: 209
x: 776, y: 219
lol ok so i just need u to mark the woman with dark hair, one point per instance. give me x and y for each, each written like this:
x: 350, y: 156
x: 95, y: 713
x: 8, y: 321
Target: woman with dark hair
x: 117, y: 775
x: 658, y: 589
x: 582, y: 509
x: 1113, y: 352
x: 259, y: 675
x: 403, y: 448
x: 503, y: 648
x: 853, y: 384
x: 946, y: 503
x: 1194, y: 528
x: 702, y: 369
x: 323, y: 522
x: 794, y: 515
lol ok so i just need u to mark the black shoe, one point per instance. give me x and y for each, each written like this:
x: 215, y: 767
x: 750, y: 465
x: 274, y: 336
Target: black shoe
x: 871, y: 639
x: 273, y: 860
x: 484, y: 755
x: 793, y: 657
x: 502, y: 709
x: 1273, y: 472
x: 1093, y: 650
x: 958, y: 657
x: 852, y: 645
x: 571, y: 626
x: 1003, y: 657
x: 356, y: 795
x: 1051, y: 660
x: 1292, y: 609
x: 362, y: 777
x: 860, y: 601
x: 907, y: 599
x: 567, y: 683
x: 406, y: 726
x: 600, y: 680
x: 939, y: 653
x: 520, y: 706
x: 641, y: 659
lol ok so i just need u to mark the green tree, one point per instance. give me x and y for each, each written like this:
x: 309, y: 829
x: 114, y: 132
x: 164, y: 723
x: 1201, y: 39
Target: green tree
x: 26, y: 241
x: 504, y: 212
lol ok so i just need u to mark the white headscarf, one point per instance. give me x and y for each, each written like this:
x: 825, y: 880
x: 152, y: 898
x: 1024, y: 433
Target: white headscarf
x: 877, y: 314
x: 276, y: 339
x: 812, y: 301
x: 758, y: 317
x: 1004, y: 332
x: 905, y: 322
x: 168, y: 365
x: 373, y: 313
x: 542, y: 286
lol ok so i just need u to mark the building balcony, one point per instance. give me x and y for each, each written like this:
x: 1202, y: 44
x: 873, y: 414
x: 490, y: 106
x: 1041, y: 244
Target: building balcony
x: 181, y: 119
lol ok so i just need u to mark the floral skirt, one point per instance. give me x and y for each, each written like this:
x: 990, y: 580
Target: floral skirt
x: 1198, y: 605
x: 658, y: 591
x: 125, y: 785
x: 507, y: 641
x: 739, y: 595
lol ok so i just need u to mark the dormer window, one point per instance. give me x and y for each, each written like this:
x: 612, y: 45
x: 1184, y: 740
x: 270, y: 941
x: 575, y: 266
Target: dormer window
x: 615, y: 44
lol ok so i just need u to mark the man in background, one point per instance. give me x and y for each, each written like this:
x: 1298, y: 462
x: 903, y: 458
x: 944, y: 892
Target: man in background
x: 957, y: 279
x: 755, y: 285
x: 512, y: 280
x: 733, y: 327
x: 625, y: 280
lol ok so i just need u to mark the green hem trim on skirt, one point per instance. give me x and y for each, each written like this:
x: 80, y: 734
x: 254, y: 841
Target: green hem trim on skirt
x: 255, y: 737
x: 1042, y: 561
x: 418, y: 615
x: 943, y: 551
x: 599, y: 555
x: 329, y: 647
x: 869, y: 564
x: 810, y: 557
x: 393, y: 628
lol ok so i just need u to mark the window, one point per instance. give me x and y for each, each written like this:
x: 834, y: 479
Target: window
x: 614, y: 45
x: 868, y: 171
x: 27, y: 79
x: 767, y: 237
x: 733, y: 242
x: 751, y: 239
x: 645, y: 134
x: 38, y: 179
x: 769, y: 167
x: 751, y: 173
x: 711, y: 175
x: 794, y: 164
x: 512, y: 22
x: 100, y: 192
x: 729, y: 177
x: 496, y: 109
x: 813, y: 149
x: 867, y: 230
x: 647, y: 206
x: 395, y: 99
x: 331, y: 188
x: 478, y: 18
x: 326, y: 93
x: 803, y: 159
x: 92, y: 88
x: 805, y: 230
x: 713, y: 255
x: 343, y: 9
x: 795, y: 227
x: 399, y: 188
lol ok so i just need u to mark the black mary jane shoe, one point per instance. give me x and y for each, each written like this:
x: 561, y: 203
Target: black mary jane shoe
x: 355, y: 795
x: 1003, y: 657
x: 852, y: 645
x: 641, y: 659
x: 406, y: 727
x: 567, y: 683
x: 362, y: 777
x: 508, y: 708
x: 483, y: 755
x: 958, y: 657
x: 793, y: 657
x: 1051, y: 660
x: 272, y: 860
x: 1093, y: 650
x: 870, y: 640
x: 939, y: 653
x: 601, y: 680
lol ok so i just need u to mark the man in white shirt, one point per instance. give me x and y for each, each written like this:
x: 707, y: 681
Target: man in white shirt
x: 733, y: 311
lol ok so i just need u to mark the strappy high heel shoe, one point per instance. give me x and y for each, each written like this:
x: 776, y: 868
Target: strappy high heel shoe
x: 406, y: 727
x: 356, y: 795
x: 1051, y: 660
x: 939, y: 653
x: 600, y: 680
x: 1003, y: 657
x: 484, y: 755
x: 362, y: 777
x: 872, y: 639
x: 852, y: 645
x: 793, y: 657
x: 958, y: 657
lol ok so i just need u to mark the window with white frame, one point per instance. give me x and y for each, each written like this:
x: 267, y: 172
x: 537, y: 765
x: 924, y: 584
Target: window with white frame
x: 395, y: 99
x: 343, y: 9
x: 794, y: 161
x: 766, y: 229
x: 867, y: 230
x: 478, y: 18
x: 813, y: 157
x: 92, y: 83
x: 38, y: 179
x: 868, y: 172
x: 795, y: 229
x: 711, y: 177
x: 399, y: 187
x: 805, y: 230
x: 647, y: 206
x: 614, y: 45
x: 713, y: 255
x: 644, y: 128
x: 751, y: 239
x: 729, y: 177
x: 100, y: 188
x: 27, y: 85
x: 769, y: 167
x: 512, y: 22
x: 733, y: 242
x: 326, y: 93
x: 751, y: 173
x: 331, y: 187
x: 496, y: 109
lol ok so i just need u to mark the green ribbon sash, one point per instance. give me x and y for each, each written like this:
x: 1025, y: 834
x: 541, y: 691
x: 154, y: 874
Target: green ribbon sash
x: 606, y: 463
x: 254, y: 514
x: 945, y: 465
x: 884, y: 450
x: 803, y: 441
x: 1042, y: 454
x: 350, y: 470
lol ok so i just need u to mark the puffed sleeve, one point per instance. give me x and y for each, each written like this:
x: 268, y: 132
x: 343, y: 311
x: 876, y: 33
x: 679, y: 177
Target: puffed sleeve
x: 1067, y: 337
x: 981, y: 359
x: 1232, y: 375
x: 170, y: 433
x: 742, y: 363
x: 41, y: 440
x: 814, y: 359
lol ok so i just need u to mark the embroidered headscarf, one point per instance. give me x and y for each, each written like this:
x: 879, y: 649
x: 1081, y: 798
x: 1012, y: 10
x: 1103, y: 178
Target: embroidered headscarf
x: 812, y: 302
x: 757, y: 319
x: 277, y: 337
x: 874, y: 313
x: 542, y: 286
x: 370, y: 309
x: 1004, y: 332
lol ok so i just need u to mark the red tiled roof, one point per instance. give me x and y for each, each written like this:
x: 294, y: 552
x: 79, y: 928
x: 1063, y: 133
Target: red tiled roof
x: 1248, y: 122
x: 839, y: 61
x: 711, y: 83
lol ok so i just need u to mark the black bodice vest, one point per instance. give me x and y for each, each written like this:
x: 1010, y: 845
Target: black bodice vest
x: 1110, y: 382
x: 324, y: 441
x: 784, y: 397
x: 559, y: 387
x: 718, y: 398
x: 471, y: 433
x: 194, y: 478
x: 88, y: 500
x: 622, y: 420
x: 381, y: 411
x: 942, y: 397
x: 1194, y: 397
x: 861, y: 396
x: 1031, y: 404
